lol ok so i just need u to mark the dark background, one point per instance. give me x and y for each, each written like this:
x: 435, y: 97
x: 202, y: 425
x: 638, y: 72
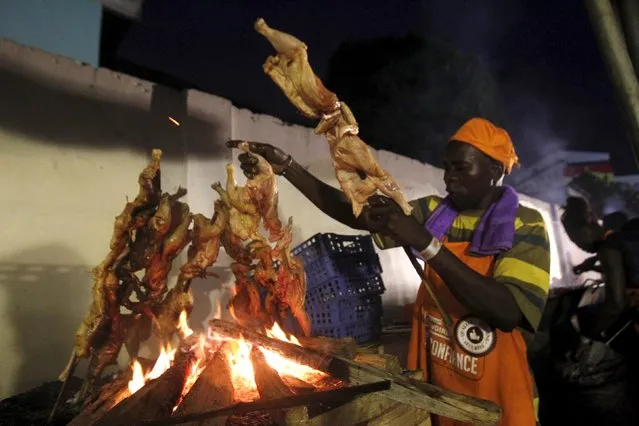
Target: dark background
x: 531, y: 66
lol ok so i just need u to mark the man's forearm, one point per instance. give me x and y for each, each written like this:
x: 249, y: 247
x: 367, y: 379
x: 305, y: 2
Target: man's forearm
x: 482, y: 296
x: 326, y: 198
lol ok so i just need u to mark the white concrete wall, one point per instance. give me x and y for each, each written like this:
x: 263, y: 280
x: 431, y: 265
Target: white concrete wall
x: 73, y: 140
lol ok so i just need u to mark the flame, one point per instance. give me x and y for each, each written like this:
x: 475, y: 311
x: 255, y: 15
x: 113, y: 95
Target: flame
x: 286, y: 367
x: 173, y: 120
x: 137, y: 380
x: 239, y: 358
x: 163, y: 363
x: 183, y: 326
x: 242, y: 373
x: 276, y: 332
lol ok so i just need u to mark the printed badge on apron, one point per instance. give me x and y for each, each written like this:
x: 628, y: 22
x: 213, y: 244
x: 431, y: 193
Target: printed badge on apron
x: 474, y: 336
x: 454, y: 356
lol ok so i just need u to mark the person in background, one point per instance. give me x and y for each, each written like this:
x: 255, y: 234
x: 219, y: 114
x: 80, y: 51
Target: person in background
x: 487, y: 257
x: 583, y: 229
x: 615, y: 221
x: 605, y: 371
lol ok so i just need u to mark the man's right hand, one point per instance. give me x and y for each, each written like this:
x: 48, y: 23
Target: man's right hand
x: 277, y: 158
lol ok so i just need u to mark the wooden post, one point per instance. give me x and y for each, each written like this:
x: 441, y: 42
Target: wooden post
x: 615, y: 54
x: 629, y: 14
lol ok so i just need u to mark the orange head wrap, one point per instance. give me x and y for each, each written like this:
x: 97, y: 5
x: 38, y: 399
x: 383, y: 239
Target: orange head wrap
x: 489, y: 139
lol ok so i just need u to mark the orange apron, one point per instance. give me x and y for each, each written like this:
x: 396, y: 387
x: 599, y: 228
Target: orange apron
x: 481, y: 362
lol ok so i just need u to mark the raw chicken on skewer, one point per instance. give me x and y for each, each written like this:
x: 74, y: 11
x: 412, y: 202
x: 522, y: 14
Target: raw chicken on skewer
x: 359, y: 174
x: 290, y: 285
x: 357, y: 171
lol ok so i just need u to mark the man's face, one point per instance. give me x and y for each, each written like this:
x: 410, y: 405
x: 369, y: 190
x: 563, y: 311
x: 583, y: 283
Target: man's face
x: 467, y: 175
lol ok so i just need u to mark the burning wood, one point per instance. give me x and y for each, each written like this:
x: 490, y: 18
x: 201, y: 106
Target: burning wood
x: 156, y: 399
x: 271, y: 386
x: 212, y: 390
x: 202, y: 375
x: 419, y: 395
x: 239, y: 371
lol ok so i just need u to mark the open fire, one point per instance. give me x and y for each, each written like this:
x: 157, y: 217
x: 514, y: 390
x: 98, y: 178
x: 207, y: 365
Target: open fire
x: 238, y: 355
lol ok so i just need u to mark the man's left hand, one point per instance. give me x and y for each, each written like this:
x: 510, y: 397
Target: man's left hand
x: 387, y: 217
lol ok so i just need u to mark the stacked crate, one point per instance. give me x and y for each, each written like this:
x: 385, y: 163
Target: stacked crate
x: 344, y: 286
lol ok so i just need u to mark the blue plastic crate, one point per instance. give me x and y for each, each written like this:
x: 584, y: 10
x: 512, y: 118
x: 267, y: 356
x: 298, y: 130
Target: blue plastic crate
x: 322, y: 245
x: 345, y: 311
x: 325, y: 268
x: 341, y: 287
x: 361, y: 332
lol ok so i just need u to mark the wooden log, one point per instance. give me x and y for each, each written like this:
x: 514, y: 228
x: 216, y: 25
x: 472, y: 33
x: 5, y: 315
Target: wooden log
x: 156, y: 399
x: 213, y: 389
x: 270, y: 386
x: 298, y: 353
x: 420, y: 395
x: 346, y: 347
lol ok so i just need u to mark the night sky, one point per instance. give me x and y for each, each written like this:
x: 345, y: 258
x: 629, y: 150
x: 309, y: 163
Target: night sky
x: 543, y: 53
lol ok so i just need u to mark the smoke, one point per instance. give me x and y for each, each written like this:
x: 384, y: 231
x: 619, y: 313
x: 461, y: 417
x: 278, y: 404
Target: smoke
x: 472, y: 26
x: 491, y: 30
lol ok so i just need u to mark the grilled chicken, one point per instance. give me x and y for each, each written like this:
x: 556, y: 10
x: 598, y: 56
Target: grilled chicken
x: 359, y: 174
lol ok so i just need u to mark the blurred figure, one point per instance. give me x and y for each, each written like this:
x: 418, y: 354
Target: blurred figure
x: 615, y: 221
x: 601, y: 366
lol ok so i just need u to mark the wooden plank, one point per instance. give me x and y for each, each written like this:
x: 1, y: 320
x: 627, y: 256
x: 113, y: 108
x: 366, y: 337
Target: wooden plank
x: 372, y: 409
x: 419, y: 394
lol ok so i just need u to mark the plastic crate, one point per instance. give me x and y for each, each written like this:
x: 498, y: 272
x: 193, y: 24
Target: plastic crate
x: 325, y: 268
x: 341, y: 287
x: 322, y: 245
x: 345, y: 311
x: 361, y: 332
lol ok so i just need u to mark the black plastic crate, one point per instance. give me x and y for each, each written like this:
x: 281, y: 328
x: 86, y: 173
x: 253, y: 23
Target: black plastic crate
x: 341, y: 287
x: 345, y: 311
x: 325, y: 268
x: 326, y: 245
